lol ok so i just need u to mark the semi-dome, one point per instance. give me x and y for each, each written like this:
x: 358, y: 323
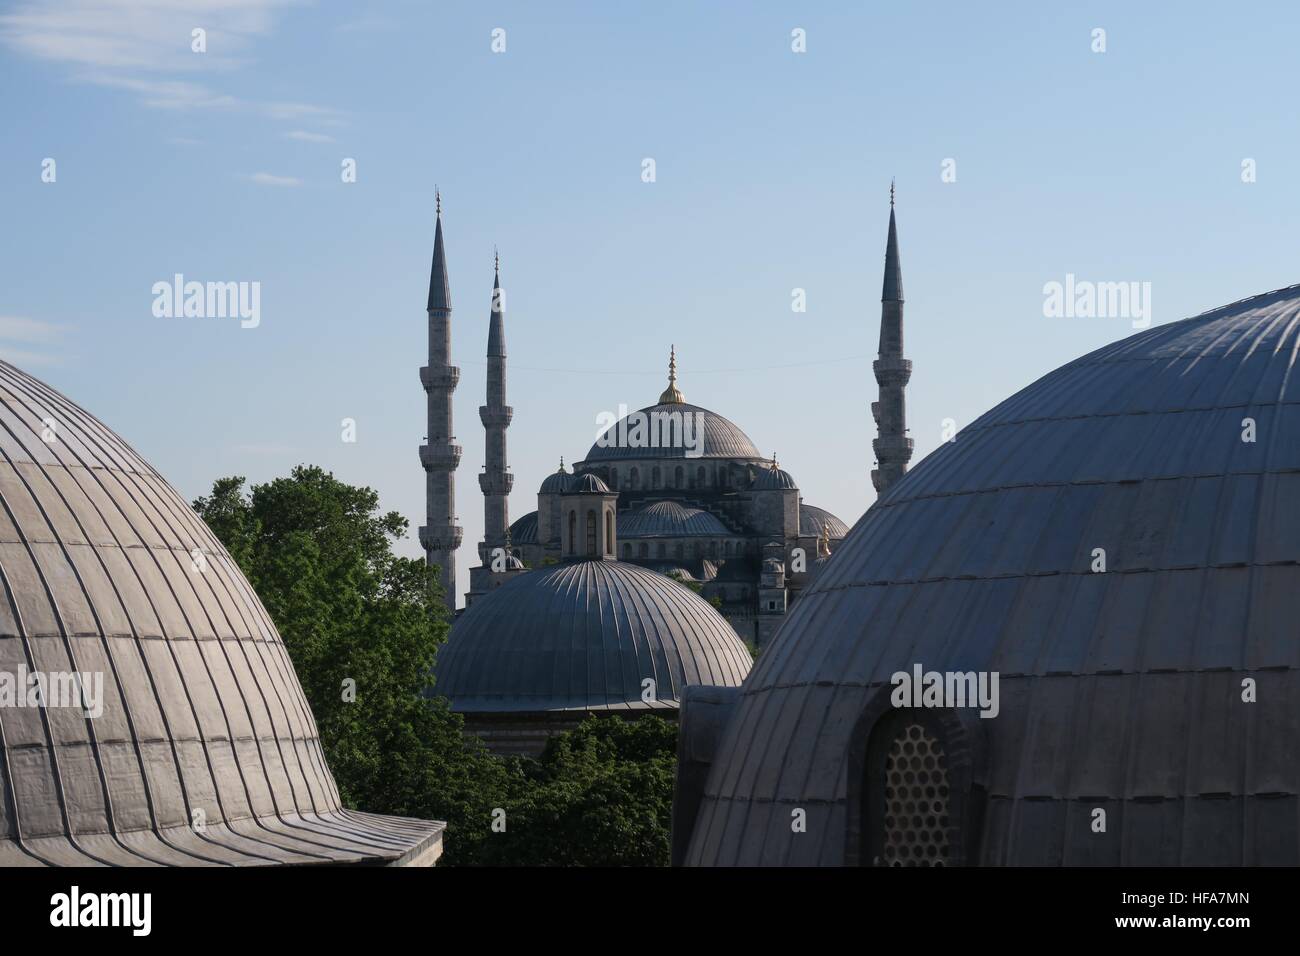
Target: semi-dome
x: 672, y: 520
x: 722, y: 438
x: 201, y: 720
x: 814, y: 522
x: 1120, y: 543
x: 524, y: 530
x: 774, y: 479
x: 582, y: 636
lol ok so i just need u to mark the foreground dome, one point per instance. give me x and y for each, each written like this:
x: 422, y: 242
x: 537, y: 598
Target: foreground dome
x: 583, y: 636
x: 1174, y: 455
x: 722, y: 438
x: 109, y: 573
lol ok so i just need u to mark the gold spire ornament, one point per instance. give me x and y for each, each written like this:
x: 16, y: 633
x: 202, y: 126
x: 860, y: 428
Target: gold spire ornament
x: 672, y: 395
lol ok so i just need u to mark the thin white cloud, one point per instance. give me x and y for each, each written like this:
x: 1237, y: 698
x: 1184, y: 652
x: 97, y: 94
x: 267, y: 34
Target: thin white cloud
x: 20, y: 329
x: 27, y: 333
x: 302, y: 136
x: 144, y: 47
x: 269, y: 179
x: 25, y: 358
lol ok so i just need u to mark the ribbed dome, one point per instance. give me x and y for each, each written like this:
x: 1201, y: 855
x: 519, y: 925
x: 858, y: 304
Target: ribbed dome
x: 582, y: 636
x: 669, y: 519
x: 107, y: 571
x: 722, y: 438
x: 774, y: 479
x: 524, y: 530
x: 1119, y: 690
x: 813, y: 520
x: 555, y: 483
x: 587, y: 484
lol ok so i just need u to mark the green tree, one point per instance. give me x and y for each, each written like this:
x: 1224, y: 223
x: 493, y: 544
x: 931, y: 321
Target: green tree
x: 354, y: 615
x: 600, y: 795
x: 319, y: 554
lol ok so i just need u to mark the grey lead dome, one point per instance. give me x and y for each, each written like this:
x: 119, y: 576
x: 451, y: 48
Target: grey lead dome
x: 106, y: 570
x: 583, y: 636
x: 1120, y: 691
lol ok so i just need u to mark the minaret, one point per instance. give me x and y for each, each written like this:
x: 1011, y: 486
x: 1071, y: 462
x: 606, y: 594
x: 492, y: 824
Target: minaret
x: 440, y: 455
x: 496, y: 481
x: 892, y: 446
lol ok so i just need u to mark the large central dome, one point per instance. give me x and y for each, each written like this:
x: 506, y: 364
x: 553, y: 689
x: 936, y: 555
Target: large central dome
x: 722, y: 438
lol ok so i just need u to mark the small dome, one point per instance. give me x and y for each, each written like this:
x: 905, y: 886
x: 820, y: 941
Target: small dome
x: 814, y: 522
x: 774, y: 479
x: 671, y: 520
x: 587, y: 484
x: 201, y: 708
x: 583, y: 636
x: 557, y: 482
x: 524, y: 530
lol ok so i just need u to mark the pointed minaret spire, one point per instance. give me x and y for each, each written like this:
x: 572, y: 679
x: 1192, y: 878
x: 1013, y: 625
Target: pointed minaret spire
x: 893, y: 287
x: 439, y: 287
x: 672, y: 395
x: 892, y: 446
x: 496, y: 481
x: 440, y: 536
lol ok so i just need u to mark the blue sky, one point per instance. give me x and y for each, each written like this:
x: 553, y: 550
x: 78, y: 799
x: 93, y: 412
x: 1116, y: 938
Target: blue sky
x: 773, y: 170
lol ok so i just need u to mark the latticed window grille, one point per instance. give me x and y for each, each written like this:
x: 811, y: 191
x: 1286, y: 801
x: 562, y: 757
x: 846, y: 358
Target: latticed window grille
x: 916, y: 801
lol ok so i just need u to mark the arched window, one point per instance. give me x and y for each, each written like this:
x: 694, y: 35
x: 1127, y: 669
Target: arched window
x: 678, y: 551
x: 627, y: 550
x: 592, y: 533
x: 701, y: 477
x: 644, y: 550
x: 727, y: 549
x: 713, y: 550
x: 572, y: 543
x: 655, y: 477
x: 634, y: 478
x: 663, y: 550
x: 914, y: 830
x: 918, y: 785
x: 613, y: 479
x: 679, y: 478
x: 609, y: 533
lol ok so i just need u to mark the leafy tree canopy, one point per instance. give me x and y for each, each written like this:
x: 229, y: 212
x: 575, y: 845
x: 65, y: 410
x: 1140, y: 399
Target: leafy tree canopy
x: 354, y: 615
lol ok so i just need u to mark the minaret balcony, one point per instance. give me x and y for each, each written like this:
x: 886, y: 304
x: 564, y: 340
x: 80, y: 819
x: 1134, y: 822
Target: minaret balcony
x: 892, y: 449
x: 440, y: 457
x: 445, y: 377
x: 498, y: 483
x: 891, y: 371
x: 498, y: 417
x: 444, y: 538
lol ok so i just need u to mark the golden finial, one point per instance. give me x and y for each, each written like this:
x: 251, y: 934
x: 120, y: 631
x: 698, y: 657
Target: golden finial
x: 774, y: 464
x: 561, y: 471
x: 672, y: 395
x: 891, y: 193
x: 437, y: 201
x: 496, y: 258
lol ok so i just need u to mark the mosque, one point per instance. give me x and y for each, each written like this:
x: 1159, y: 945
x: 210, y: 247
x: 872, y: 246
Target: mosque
x: 646, y: 568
